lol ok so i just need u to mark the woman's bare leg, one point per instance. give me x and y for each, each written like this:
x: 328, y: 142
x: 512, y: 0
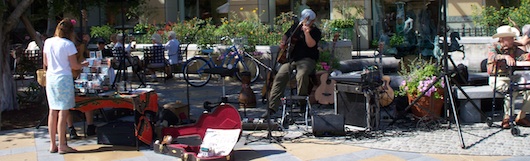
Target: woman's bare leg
x: 52, y: 128
x: 61, y: 127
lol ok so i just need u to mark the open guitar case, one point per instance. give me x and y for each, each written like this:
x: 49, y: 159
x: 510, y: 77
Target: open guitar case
x: 224, y: 116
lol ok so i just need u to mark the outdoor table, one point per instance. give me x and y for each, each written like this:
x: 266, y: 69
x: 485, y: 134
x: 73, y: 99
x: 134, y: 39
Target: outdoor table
x: 144, y: 102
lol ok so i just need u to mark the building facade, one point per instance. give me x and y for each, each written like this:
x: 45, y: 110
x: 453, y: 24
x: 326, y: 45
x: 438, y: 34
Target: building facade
x: 376, y: 16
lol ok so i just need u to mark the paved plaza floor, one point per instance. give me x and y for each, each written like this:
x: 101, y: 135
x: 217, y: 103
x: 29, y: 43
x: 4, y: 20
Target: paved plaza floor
x: 405, y: 140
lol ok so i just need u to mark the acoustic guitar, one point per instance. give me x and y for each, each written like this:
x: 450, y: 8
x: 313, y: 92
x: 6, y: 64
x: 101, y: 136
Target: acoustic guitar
x: 386, y: 93
x: 324, y: 92
x: 291, y: 41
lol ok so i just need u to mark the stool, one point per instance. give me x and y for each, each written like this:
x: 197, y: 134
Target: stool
x: 293, y: 98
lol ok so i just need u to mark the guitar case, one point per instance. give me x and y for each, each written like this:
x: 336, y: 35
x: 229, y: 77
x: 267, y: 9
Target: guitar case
x: 224, y: 116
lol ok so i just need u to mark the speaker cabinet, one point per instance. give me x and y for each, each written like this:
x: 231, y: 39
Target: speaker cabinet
x: 328, y: 125
x: 355, y: 106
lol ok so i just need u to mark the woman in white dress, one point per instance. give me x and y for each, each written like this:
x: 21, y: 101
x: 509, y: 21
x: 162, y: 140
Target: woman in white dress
x: 59, y: 58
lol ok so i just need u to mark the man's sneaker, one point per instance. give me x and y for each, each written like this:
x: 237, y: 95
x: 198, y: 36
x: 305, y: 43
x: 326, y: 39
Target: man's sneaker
x: 73, y: 133
x: 91, y: 130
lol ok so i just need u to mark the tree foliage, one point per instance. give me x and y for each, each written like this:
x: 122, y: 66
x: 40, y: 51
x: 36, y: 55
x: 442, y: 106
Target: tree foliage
x: 521, y: 14
x: 489, y: 16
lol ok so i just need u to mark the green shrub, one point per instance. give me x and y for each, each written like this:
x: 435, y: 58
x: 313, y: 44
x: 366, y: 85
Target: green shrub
x: 102, y: 31
x: 342, y: 23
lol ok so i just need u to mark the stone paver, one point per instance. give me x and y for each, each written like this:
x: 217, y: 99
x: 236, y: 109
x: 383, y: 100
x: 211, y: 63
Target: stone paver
x: 399, y: 142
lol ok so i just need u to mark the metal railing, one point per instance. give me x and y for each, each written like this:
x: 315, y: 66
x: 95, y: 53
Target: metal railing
x: 474, y: 31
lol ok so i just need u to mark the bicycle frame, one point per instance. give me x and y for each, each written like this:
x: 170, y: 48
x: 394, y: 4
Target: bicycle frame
x: 226, y: 58
x: 229, y: 65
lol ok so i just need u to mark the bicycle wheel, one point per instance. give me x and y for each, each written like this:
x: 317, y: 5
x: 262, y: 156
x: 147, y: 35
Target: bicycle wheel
x: 194, y: 72
x: 251, y: 66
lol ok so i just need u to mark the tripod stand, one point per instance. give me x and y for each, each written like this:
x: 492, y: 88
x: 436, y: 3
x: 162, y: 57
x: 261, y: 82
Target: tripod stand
x: 269, y: 137
x: 122, y: 57
x: 449, y: 101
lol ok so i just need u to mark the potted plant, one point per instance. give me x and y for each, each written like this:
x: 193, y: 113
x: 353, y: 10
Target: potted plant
x: 326, y: 62
x: 418, y: 76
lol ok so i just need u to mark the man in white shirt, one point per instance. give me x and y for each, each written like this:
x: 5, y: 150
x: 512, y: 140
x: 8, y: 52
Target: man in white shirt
x: 173, y: 48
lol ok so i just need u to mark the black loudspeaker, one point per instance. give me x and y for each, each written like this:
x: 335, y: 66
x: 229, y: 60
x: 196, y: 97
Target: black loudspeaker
x: 117, y: 133
x: 351, y: 102
x: 328, y: 125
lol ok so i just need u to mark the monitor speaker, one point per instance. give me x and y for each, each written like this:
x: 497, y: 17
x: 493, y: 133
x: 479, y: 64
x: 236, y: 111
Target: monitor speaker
x: 354, y: 106
x: 328, y: 125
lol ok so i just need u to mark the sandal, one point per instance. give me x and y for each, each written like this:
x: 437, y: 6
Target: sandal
x: 54, y: 150
x: 67, y: 150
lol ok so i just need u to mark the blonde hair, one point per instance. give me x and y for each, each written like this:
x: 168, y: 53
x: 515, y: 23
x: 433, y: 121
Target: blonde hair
x: 65, y: 29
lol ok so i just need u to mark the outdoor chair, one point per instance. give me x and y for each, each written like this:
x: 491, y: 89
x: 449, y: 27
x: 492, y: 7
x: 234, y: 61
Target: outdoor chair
x: 30, y: 61
x: 178, y: 67
x: 154, y: 59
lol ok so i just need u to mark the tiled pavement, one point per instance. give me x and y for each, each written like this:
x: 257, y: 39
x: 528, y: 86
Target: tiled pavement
x: 400, y: 142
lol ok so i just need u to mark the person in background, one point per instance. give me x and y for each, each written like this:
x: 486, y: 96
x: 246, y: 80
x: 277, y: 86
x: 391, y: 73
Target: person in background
x: 131, y: 60
x: 118, y: 42
x: 59, y: 58
x: 106, y: 53
x: 173, y: 48
x: 524, y: 42
x: 101, y: 47
x: 303, y: 58
x: 157, y: 41
x: 503, y: 54
x: 81, y: 56
x: 113, y: 41
x: 33, y: 44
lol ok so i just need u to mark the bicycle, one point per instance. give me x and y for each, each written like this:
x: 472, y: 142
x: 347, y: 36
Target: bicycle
x: 198, y: 71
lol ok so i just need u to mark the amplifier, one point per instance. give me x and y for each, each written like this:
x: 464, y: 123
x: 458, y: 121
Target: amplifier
x: 356, y: 106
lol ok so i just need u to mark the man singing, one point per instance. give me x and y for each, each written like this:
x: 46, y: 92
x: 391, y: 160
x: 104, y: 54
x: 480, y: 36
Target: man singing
x: 304, y: 37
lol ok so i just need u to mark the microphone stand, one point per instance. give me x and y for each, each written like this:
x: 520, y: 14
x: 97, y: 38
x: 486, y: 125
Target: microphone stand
x: 269, y: 136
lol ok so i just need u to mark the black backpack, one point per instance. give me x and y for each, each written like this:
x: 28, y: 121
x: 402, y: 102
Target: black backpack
x: 460, y: 75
